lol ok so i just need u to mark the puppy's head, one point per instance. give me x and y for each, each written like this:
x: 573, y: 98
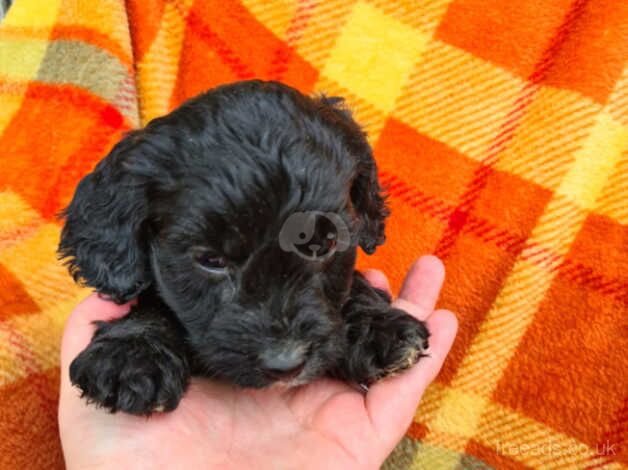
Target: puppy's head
x: 244, y: 209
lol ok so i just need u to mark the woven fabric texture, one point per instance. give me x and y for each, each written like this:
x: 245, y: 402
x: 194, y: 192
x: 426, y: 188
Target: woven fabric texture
x: 501, y: 132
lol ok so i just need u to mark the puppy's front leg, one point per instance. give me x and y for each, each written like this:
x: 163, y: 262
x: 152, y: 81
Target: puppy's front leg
x: 381, y: 339
x: 135, y: 364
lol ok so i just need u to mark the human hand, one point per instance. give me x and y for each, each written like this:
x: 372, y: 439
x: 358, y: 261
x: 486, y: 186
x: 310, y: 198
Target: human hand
x: 325, y: 424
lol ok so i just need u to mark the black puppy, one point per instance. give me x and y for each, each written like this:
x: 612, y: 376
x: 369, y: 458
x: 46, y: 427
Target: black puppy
x: 235, y: 220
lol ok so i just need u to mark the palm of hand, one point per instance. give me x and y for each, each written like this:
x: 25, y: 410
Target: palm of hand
x: 325, y: 424
x: 218, y: 425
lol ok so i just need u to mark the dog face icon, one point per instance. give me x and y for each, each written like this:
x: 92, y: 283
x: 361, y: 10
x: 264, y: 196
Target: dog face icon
x: 314, y: 235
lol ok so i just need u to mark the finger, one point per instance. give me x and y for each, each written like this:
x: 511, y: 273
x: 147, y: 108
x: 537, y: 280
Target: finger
x: 392, y: 402
x: 421, y: 287
x: 377, y: 279
x: 79, y: 327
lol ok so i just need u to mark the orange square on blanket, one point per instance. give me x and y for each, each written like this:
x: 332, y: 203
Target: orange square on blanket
x: 601, y: 247
x: 411, y: 231
x: 197, y: 55
x: 510, y: 203
x: 589, y: 61
x: 13, y: 297
x: 476, y: 271
x: 572, y: 358
x: 56, y: 125
x: 29, y: 422
x: 430, y: 166
x: 513, y: 35
x: 234, y: 46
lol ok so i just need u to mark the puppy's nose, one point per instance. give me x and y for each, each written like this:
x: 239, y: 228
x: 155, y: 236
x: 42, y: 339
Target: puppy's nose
x: 285, y: 364
x: 314, y: 247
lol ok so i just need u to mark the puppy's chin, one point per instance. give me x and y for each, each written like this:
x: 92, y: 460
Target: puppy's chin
x: 282, y: 385
x: 302, y: 379
x: 256, y: 378
x: 262, y: 381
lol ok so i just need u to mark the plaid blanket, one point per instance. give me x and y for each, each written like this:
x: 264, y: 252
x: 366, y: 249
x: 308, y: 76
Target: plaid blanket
x: 500, y: 129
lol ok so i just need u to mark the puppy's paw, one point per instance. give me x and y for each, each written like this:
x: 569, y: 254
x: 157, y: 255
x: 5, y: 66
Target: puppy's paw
x: 133, y: 374
x: 400, y: 344
x: 382, y: 344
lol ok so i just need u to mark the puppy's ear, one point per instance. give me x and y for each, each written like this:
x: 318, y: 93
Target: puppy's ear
x: 366, y: 193
x: 102, y: 236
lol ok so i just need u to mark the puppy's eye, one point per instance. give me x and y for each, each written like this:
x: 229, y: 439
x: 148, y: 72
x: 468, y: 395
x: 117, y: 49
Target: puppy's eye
x: 210, y: 261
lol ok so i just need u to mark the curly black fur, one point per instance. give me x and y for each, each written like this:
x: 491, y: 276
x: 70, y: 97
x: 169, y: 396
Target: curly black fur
x: 221, y: 174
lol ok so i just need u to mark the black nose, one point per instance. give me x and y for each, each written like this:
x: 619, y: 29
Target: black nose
x: 283, y: 365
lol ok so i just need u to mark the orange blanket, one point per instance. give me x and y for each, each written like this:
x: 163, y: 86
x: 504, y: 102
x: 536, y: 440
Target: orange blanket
x: 500, y: 128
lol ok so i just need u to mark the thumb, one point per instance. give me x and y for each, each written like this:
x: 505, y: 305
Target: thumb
x: 392, y: 402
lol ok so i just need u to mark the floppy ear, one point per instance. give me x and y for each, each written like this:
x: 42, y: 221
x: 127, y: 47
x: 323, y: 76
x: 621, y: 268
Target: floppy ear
x: 369, y: 201
x: 366, y: 193
x: 102, y: 237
